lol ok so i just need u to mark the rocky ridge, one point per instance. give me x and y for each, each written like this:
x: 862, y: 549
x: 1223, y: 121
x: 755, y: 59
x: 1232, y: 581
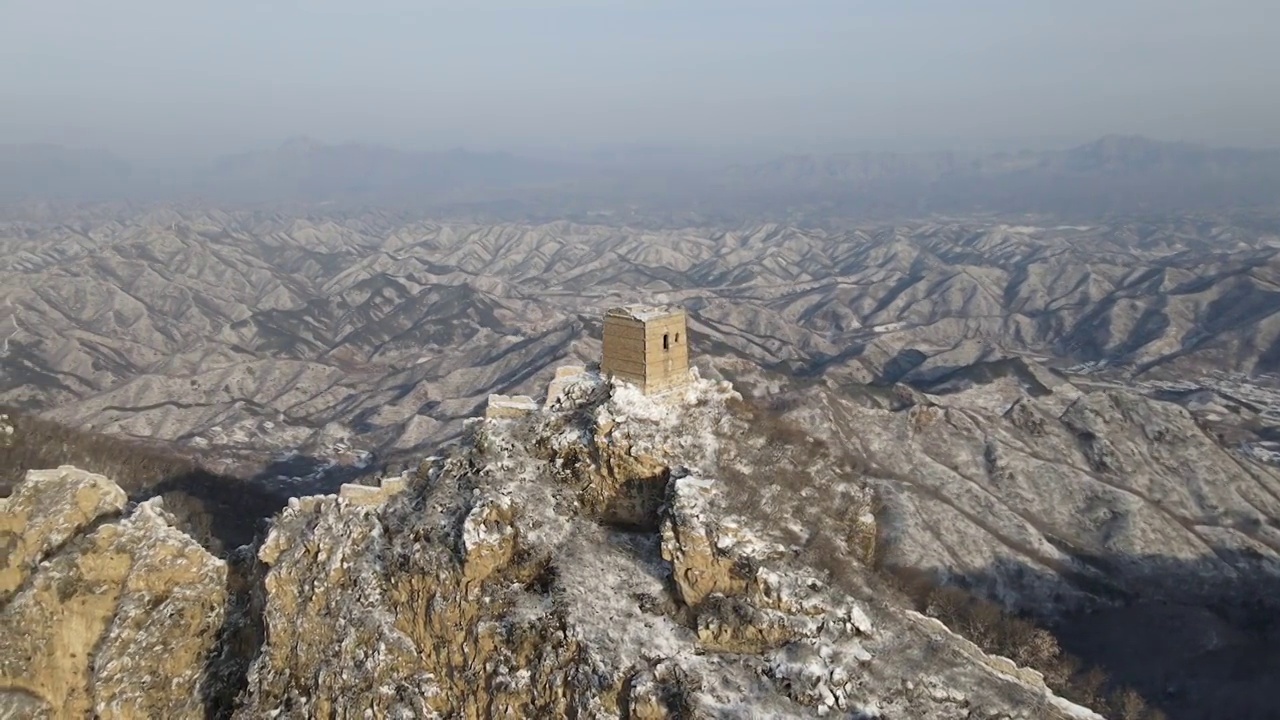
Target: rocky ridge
x: 584, y: 559
x: 1130, y: 525
x: 1104, y: 486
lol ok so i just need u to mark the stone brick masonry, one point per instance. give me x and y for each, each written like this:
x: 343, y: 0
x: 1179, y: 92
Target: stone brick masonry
x: 646, y: 346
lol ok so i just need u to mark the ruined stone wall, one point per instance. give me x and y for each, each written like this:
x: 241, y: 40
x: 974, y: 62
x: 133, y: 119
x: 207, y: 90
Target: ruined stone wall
x: 509, y: 407
x: 651, y: 353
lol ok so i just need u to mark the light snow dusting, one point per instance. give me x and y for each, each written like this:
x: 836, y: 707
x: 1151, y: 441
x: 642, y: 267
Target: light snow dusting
x: 688, y: 599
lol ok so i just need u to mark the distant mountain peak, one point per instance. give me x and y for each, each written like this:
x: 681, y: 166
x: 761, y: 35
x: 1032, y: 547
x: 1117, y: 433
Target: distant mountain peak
x: 302, y: 144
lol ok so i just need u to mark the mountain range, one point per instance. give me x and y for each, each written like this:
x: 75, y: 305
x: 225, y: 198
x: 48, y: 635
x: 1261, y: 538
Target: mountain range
x: 1021, y: 441
x: 1113, y: 175
x: 207, y: 328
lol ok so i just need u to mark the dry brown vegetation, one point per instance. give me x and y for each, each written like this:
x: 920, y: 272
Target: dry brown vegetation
x: 999, y: 633
x: 220, y: 511
x: 782, y: 483
x: 40, y: 444
x: 795, y: 476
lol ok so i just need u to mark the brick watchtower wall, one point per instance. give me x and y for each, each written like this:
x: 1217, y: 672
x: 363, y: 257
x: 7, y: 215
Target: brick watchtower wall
x: 646, y: 346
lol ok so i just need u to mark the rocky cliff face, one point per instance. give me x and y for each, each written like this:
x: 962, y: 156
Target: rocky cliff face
x: 585, y: 560
x: 103, y: 613
x: 581, y: 561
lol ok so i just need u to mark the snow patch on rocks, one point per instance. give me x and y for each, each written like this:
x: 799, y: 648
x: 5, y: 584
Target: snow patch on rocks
x: 489, y: 587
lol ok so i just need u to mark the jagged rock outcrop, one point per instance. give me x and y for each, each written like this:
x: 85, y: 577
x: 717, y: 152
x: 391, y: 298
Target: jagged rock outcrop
x: 495, y: 587
x: 529, y: 573
x: 103, y: 613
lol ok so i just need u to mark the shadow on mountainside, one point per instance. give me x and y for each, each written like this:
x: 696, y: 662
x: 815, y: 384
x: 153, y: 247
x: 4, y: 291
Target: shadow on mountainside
x: 1198, y: 639
x: 225, y: 514
x: 219, y: 510
x: 899, y: 366
x: 238, y: 512
x: 225, y: 673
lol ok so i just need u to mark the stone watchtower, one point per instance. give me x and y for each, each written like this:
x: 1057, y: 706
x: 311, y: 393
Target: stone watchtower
x: 646, y: 346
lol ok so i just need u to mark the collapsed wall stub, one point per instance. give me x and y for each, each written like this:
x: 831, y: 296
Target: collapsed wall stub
x: 647, y: 346
x: 509, y: 407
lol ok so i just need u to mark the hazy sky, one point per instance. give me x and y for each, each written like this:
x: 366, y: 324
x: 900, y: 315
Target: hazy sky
x: 158, y: 75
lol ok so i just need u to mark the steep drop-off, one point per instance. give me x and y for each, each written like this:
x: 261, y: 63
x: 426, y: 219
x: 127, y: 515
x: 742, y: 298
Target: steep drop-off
x: 592, y: 559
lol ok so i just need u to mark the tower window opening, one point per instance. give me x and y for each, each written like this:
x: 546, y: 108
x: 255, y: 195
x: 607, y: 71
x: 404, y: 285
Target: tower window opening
x: 677, y: 338
x: 666, y: 341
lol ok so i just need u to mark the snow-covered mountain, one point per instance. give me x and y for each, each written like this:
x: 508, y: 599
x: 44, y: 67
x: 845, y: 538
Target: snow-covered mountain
x: 1077, y: 423
x: 236, y: 332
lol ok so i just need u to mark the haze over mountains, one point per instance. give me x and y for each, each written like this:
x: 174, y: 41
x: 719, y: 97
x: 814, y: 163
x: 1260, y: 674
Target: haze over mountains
x: 984, y: 416
x: 1079, y: 419
x: 1057, y: 371
x: 1113, y: 175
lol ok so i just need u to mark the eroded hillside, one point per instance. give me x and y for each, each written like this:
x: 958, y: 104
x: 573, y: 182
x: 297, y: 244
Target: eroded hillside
x: 355, y: 338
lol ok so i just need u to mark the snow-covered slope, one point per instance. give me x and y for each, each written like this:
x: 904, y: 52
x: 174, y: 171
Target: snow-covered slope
x: 232, y: 332
x: 587, y: 560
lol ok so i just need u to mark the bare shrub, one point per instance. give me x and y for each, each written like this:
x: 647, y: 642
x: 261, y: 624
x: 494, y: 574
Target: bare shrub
x: 864, y: 535
x: 825, y: 553
x: 1127, y: 704
x: 218, y: 510
x: 787, y: 480
x: 783, y: 477
x: 1036, y: 647
x: 914, y: 584
x: 986, y: 625
x: 948, y: 604
x: 1089, y: 688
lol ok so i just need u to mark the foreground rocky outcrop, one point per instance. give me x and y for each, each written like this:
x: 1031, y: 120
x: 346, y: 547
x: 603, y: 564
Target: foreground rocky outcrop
x: 533, y: 575
x: 607, y: 557
x: 103, y: 613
